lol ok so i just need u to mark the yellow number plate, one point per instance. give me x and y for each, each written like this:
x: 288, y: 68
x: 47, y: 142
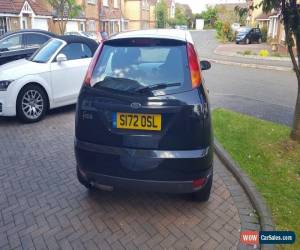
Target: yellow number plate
x: 138, y: 121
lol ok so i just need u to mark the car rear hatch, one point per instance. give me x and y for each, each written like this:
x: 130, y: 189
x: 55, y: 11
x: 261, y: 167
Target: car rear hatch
x: 140, y: 96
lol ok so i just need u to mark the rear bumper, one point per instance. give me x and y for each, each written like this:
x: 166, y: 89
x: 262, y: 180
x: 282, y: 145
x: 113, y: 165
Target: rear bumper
x: 145, y: 185
x: 148, y: 170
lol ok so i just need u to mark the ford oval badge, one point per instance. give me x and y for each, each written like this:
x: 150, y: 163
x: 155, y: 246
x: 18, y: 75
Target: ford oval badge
x: 135, y: 105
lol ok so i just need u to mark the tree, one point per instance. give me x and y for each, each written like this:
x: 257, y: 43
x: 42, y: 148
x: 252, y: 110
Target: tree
x: 242, y: 13
x: 187, y: 12
x: 210, y: 16
x: 290, y: 13
x: 65, y: 10
x: 180, y: 18
x: 161, y: 13
x: 226, y: 14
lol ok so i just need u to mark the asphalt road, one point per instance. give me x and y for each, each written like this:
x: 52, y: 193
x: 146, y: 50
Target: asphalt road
x: 266, y: 94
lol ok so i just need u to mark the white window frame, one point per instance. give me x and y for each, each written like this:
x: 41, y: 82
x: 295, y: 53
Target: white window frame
x: 283, y: 36
x: 91, y: 2
x: 91, y: 25
x: 105, y: 3
x: 145, y: 4
x: 7, y: 27
x: 116, y: 4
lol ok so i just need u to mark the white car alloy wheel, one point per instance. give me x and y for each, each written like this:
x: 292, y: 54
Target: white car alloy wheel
x: 32, y: 104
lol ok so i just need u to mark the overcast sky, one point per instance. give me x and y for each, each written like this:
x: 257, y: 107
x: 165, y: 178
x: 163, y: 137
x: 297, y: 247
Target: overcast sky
x: 199, y: 5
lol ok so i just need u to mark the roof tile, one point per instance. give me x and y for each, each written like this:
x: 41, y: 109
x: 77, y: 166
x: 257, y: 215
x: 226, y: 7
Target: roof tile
x: 15, y: 6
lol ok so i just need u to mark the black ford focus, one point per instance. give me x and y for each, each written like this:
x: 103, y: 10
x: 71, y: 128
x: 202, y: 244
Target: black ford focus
x: 143, y: 120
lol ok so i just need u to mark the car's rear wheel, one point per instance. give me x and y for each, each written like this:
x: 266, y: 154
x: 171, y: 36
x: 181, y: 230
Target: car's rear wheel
x: 82, y: 180
x: 203, y: 194
x: 32, y: 103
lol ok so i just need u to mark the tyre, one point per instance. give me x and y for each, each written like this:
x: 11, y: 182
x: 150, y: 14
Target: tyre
x: 32, y: 103
x: 203, y: 194
x: 82, y: 180
x: 237, y: 42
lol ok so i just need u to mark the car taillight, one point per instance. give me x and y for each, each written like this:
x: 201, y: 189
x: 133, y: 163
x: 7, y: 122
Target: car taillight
x: 194, y: 66
x: 199, y: 182
x: 89, y: 73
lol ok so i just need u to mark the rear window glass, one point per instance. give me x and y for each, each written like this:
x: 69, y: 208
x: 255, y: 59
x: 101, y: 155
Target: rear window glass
x: 134, y: 67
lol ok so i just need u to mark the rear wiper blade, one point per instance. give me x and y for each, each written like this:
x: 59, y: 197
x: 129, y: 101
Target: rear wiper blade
x: 157, y: 87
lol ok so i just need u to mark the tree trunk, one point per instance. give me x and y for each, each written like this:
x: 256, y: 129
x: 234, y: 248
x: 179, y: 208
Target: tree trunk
x: 295, y: 134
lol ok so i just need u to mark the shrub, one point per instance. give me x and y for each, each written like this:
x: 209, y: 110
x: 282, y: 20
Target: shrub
x: 264, y: 53
x: 264, y: 34
x: 247, y: 52
x: 276, y: 54
x: 224, y: 32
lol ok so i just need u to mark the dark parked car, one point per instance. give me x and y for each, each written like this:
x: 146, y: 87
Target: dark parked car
x: 143, y: 120
x: 22, y: 44
x: 249, y: 35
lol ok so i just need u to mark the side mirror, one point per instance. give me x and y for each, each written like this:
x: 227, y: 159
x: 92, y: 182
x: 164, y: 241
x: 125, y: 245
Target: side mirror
x: 205, y: 65
x: 61, y: 58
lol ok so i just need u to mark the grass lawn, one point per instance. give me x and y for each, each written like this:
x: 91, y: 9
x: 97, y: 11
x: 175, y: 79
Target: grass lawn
x: 263, y: 150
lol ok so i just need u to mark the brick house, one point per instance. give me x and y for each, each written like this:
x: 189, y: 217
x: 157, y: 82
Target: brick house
x: 20, y: 14
x: 91, y: 9
x: 271, y: 21
x: 111, y: 16
x: 171, y: 8
x: 137, y: 13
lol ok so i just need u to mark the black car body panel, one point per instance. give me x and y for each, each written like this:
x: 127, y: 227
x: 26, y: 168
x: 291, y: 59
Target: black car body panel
x: 24, y: 46
x: 252, y: 35
x: 168, y: 160
x: 181, y: 151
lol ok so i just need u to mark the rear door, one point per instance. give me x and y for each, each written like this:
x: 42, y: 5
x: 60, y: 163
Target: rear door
x: 121, y: 108
x: 258, y: 34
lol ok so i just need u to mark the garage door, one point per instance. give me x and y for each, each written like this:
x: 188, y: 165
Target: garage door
x: 71, y: 26
x: 40, y: 23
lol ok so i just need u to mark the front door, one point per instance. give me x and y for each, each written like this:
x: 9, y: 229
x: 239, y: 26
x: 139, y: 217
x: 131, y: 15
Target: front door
x: 24, y: 22
x: 67, y: 76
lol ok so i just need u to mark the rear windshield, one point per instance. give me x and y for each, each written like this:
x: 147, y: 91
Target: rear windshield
x: 141, y: 65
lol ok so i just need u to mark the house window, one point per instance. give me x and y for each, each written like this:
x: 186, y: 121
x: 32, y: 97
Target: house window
x: 111, y: 27
x: 4, y: 25
x: 116, y: 3
x: 105, y: 3
x: 91, y: 25
x: 82, y: 26
x: 145, y: 4
x: 145, y: 25
x: 91, y: 1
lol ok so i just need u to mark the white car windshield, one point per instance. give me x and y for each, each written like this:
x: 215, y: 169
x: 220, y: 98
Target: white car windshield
x: 44, y: 54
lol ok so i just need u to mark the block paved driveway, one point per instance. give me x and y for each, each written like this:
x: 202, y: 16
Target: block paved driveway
x: 42, y: 205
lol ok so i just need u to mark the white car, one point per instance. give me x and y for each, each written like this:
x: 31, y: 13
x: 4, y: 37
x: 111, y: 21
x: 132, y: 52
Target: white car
x: 51, y: 78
